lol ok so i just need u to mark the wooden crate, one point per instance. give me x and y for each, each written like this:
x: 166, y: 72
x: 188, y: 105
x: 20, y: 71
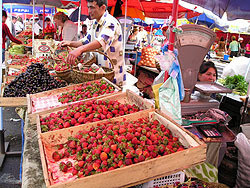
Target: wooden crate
x: 126, y: 97
x: 133, y: 174
x: 12, y: 101
x: 32, y: 116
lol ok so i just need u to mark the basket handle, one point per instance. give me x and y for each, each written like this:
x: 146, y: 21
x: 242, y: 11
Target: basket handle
x: 112, y: 64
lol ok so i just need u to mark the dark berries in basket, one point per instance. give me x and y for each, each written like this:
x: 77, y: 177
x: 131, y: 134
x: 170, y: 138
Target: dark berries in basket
x: 35, y: 79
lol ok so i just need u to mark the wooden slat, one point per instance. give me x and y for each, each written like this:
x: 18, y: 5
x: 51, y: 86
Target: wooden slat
x: 136, y: 173
x: 121, y: 97
x: 13, y: 101
x: 32, y: 116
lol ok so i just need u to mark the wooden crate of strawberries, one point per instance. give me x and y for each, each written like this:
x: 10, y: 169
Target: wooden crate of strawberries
x: 91, y: 110
x: 48, y: 100
x: 121, y: 152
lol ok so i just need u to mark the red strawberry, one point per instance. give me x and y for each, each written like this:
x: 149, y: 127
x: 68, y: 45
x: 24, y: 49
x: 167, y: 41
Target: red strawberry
x: 103, y: 156
x: 72, y: 144
x: 80, y: 163
x: 63, y: 167
x: 96, y: 166
x: 56, y: 156
x: 77, y: 115
x: 114, y: 147
x: 69, y: 164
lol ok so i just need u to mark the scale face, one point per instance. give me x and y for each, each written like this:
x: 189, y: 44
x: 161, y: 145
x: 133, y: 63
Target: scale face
x: 196, y: 38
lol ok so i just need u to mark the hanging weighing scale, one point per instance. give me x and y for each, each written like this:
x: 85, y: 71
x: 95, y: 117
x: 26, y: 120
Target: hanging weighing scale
x: 193, y: 45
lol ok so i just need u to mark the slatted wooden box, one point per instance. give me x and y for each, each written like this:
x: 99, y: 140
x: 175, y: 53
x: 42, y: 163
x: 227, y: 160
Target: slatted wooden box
x: 135, y: 173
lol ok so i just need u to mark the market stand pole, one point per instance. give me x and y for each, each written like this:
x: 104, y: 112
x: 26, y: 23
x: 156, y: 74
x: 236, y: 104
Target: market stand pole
x: 43, y: 18
x: 174, y: 20
x: 3, y: 145
x: 33, y: 28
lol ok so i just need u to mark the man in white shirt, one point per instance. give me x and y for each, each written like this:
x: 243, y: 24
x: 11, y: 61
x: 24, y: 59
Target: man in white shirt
x: 40, y: 21
x: 18, y: 25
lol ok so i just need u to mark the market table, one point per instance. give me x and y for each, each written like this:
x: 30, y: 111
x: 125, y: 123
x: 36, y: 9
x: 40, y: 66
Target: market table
x: 32, y: 174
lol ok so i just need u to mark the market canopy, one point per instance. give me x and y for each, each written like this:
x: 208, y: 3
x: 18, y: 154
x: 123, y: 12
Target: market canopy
x: 235, y: 9
x: 56, y: 3
x: 153, y: 9
x: 203, y: 19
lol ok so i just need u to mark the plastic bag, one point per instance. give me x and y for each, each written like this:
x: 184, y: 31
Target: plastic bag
x: 169, y: 99
x: 175, y: 72
x: 243, y: 172
x: 158, y: 81
x: 239, y: 65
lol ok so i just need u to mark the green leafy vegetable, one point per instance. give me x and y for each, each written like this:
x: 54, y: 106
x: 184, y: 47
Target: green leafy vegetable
x: 237, y: 83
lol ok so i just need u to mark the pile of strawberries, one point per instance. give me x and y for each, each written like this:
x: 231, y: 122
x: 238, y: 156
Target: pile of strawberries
x: 112, y: 145
x: 18, y: 57
x: 87, y: 90
x: 86, y: 112
x: 26, y: 61
x: 90, y: 69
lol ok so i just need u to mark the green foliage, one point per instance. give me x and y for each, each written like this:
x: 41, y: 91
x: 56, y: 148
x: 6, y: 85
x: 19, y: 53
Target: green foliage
x: 237, y: 83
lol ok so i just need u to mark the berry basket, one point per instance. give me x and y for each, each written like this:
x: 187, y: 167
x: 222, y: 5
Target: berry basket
x: 64, y: 74
x: 79, y: 76
x: 178, y: 177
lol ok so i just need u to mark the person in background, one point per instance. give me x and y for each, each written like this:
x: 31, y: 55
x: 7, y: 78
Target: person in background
x: 133, y: 37
x: 37, y: 27
x: 241, y: 49
x: 142, y: 36
x: 6, y: 32
x: 83, y: 32
x: 221, y: 47
x: 40, y: 21
x: 69, y: 29
x: 28, y: 24
x: 233, y: 47
x: 165, y: 34
x: 48, y: 23
x: 18, y: 25
x: 207, y: 72
x: 247, y: 53
x: 104, y: 34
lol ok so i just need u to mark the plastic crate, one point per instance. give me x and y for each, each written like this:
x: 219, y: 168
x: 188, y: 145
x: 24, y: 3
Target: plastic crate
x: 167, y: 180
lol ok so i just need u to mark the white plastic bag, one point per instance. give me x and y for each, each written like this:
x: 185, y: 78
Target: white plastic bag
x: 169, y: 99
x: 243, y: 172
x: 239, y: 65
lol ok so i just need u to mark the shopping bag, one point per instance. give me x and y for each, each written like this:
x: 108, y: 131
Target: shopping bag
x: 175, y: 72
x: 158, y: 81
x: 169, y: 99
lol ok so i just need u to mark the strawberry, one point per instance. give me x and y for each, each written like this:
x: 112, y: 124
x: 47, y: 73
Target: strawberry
x: 63, y: 167
x: 69, y: 164
x: 96, y: 166
x: 56, y: 156
x: 80, y: 163
x: 103, y: 156
x: 72, y: 144
x: 114, y: 147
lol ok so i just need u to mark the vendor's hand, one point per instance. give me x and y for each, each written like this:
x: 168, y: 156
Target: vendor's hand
x: 64, y: 43
x: 73, y: 55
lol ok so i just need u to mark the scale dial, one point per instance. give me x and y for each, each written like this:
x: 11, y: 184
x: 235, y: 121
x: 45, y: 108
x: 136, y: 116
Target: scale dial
x: 195, y: 38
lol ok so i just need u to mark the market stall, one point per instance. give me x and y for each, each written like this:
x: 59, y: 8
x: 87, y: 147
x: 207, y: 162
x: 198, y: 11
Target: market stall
x: 82, y: 130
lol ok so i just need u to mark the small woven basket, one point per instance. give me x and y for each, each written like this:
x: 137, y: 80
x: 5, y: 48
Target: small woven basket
x: 87, y: 61
x: 79, y: 77
x: 66, y: 74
